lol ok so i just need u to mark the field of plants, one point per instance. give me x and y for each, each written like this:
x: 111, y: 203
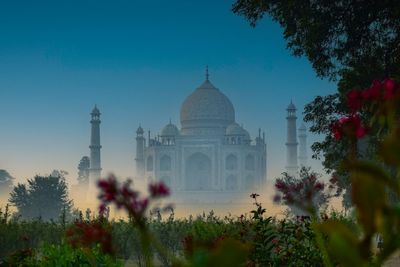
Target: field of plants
x: 202, y: 241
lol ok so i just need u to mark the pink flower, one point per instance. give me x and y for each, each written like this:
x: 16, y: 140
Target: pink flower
x: 280, y: 185
x: 108, y: 188
x: 158, y: 189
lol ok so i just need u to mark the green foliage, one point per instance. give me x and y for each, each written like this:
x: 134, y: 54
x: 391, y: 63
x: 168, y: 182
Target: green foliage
x: 22, y: 235
x: 304, y: 192
x: 61, y: 255
x: 44, y: 197
x: 206, y: 240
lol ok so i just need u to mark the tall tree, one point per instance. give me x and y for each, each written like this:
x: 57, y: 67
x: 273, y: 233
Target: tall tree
x: 44, y: 197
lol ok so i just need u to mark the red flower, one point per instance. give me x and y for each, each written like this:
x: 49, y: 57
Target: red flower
x: 348, y: 126
x: 109, y: 188
x: 158, y: 189
x: 354, y: 100
x: 373, y: 92
x: 274, y: 241
x: 83, y: 234
x: 389, y: 85
x: 280, y: 185
x: 319, y: 186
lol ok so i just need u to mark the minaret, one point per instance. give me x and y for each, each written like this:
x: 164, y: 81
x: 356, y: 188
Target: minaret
x: 303, y: 145
x: 95, y: 165
x: 291, y: 144
x: 140, y: 144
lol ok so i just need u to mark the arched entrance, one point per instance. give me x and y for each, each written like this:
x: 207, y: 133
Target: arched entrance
x: 198, y: 172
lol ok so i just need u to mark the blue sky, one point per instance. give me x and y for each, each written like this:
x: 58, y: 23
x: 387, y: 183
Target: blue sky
x: 137, y: 60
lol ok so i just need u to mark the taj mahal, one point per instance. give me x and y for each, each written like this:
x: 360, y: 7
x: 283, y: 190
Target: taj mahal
x: 209, y: 156
x: 210, y: 152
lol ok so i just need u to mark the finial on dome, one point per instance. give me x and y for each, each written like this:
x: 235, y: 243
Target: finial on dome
x: 170, y: 121
x: 207, y: 75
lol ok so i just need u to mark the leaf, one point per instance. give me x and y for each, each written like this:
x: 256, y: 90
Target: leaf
x: 390, y: 149
x: 342, y: 244
x: 229, y: 253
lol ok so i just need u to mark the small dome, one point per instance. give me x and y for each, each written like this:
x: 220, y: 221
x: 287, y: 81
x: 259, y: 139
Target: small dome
x: 302, y: 127
x: 237, y: 130
x: 234, y: 129
x: 246, y: 135
x: 170, y: 130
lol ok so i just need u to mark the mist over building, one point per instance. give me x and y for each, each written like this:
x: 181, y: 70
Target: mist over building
x: 209, y: 158
x: 210, y: 153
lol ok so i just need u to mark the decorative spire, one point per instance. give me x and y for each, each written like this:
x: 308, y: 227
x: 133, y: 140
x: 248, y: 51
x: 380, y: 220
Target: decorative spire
x: 95, y: 110
x: 207, y: 75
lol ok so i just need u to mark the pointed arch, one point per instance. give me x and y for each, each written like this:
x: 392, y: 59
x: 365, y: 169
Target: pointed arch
x: 249, y: 163
x: 198, y: 172
x: 231, y: 162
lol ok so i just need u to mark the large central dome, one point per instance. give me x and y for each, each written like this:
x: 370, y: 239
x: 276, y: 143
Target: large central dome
x: 206, y: 111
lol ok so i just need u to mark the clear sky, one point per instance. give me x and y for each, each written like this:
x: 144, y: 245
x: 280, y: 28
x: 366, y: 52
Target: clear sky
x: 137, y: 60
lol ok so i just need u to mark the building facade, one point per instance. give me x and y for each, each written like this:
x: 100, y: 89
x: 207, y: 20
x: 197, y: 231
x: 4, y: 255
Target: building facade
x: 210, y: 152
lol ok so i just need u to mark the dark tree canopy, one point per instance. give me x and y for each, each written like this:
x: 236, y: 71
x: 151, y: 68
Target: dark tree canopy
x: 44, y: 197
x: 336, y: 36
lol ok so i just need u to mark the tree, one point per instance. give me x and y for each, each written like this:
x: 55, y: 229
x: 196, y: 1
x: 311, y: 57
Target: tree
x: 44, y: 197
x: 304, y: 195
x: 349, y: 41
x: 336, y: 36
x: 6, y: 181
